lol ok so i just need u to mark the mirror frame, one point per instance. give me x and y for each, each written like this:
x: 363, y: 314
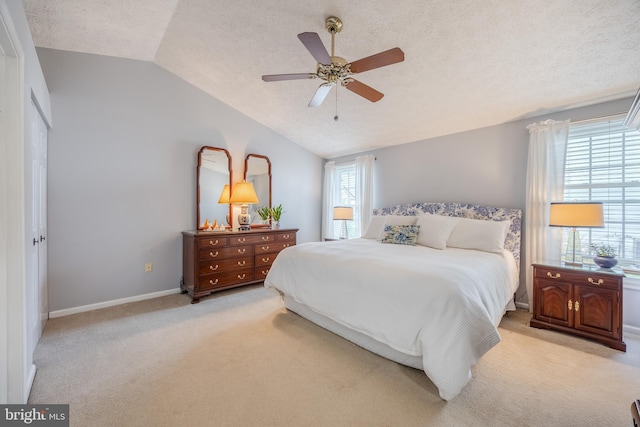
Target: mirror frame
x: 206, y: 147
x: 246, y: 167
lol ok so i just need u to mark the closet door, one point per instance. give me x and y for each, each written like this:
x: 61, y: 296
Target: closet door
x: 36, y: 220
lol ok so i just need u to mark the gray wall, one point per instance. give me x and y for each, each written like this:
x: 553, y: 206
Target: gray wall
x: 122, y: 164
x: 485, y: 166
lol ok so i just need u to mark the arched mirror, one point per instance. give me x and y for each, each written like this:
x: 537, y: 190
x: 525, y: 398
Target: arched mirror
x: 214, y: 172
x: 257, y: 170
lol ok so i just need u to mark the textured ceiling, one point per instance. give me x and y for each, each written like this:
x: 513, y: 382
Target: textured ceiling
x: 468, y: 63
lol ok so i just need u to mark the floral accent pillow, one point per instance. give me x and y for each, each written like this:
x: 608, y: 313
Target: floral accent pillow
x: 401, y: 234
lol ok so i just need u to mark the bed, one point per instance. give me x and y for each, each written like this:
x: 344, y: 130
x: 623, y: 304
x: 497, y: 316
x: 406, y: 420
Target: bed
x: 431, y: 301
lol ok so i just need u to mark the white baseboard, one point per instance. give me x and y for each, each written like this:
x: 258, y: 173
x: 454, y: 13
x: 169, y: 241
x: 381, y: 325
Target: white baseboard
x: 90, y: 307
x: 633, y: 330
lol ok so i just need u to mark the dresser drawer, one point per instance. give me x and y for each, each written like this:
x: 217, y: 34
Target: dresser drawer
x: 223, y: 253
x: 252, y: 239
x: 213, y: 242
x: 218, y: 265
x: 228, y: 278
x: 261, y: 273
x: 579, y: 278
x: 264, y: 259
x: 267, y: 248
x: 286, y: 236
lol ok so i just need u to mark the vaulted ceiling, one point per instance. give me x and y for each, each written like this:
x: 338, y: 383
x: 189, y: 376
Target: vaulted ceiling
x: 468, y: 63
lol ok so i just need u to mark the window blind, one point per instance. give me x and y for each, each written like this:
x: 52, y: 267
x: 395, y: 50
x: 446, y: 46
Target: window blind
x: 603, y: 164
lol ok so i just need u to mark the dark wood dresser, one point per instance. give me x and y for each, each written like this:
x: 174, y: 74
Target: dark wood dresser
x: 214, y: 261
x: 584, y: 301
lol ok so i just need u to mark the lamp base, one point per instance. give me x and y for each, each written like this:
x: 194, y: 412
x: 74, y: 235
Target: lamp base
x: 244, y: 219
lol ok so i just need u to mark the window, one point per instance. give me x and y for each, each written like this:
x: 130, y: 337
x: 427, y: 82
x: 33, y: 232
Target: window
x: 345, y: 194
x: 603, y: 164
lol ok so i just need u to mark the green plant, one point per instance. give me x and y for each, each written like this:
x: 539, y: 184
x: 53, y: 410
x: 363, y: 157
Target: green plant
x: 264, y: 213
x: 276, y: 212
x: 602, y: 249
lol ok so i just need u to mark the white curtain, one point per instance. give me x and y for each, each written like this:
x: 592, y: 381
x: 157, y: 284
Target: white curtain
x: 328, y: 198
x: 364, y: 192
x: 545, y: 184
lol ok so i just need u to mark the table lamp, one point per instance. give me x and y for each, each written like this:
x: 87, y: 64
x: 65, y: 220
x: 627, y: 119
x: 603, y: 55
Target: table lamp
x: 344, y: 213
x: 244, y: 194
x: 576, y: 214
x: 224, y: 198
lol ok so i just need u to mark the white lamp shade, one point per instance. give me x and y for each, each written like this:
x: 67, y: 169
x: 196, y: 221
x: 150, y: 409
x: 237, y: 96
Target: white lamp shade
x: 576, y: 214
x: 244, y: 194
x: 343, y: 212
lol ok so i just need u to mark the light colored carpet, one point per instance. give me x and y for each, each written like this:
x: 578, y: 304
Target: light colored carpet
x: 238, y: 358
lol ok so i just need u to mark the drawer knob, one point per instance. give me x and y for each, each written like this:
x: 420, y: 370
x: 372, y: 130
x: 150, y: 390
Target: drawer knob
x: 265, y: 238
x: 213, y: 282
x: 212, y: 255
x: 286, y: 236
x: 593, y: 282
x: 212, y: 268
x: 286, y: 245
x: 242, y: 263
x: 265, y: 248
x: 265, y: 259
x: 241, y: 239
x: 241, y: 251
x: 553, y: 276
x: 264, y: 273
x: 242, y: 276
x: 212, y: 243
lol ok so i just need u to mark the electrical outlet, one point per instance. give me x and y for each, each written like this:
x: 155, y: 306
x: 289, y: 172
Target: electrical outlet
x: 148, y: 267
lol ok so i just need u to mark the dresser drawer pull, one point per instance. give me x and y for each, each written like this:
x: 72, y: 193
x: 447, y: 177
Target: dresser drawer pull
x: 213, y: 282
x: 593, y: 282
x: 241, y: 251
x: 242, y: 276
x: 570, y: 305
x: 212, y: 255
x: 286, y: 236
x: 553, y: 276
x: 265, y: 248
x: 241, y: 239
x: 212, y: 268
x: 212, y: 243
x: 577, y: 305
x: 266, y: 259
x: 264, y: 273
x: 265, y: 238
x: 286, y: 245
x: 242, y: 263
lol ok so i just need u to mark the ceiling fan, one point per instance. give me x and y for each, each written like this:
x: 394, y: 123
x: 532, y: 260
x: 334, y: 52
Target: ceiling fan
x: 335, y: 70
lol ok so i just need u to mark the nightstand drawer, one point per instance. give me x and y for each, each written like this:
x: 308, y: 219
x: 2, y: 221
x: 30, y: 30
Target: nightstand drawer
x: 581, y: 278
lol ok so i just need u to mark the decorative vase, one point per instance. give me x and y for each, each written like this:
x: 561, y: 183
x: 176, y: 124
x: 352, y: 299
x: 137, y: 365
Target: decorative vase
x: 605, y: 261
x: 275, y: 225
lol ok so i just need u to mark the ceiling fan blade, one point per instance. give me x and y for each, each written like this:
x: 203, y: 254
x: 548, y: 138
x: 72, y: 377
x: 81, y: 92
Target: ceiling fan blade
x: 378, y: 60
x: 321, y: 93
x: 364, y: 91
x: 314, y: 45
x: 280, y: 77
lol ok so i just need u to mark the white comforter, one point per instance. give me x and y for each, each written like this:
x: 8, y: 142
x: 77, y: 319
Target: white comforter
x: 442, y: 305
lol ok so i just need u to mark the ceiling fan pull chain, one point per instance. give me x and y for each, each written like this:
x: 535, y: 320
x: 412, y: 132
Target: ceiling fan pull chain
x: 336, y: 116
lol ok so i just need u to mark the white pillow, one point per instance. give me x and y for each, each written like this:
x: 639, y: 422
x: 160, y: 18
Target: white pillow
x: 435, y: 230
x: 396, y: 220
x: 375, y: 227
x: 483, y: 235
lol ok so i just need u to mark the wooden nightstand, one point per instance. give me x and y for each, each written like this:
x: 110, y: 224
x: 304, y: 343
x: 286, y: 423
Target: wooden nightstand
x: 584, y: 301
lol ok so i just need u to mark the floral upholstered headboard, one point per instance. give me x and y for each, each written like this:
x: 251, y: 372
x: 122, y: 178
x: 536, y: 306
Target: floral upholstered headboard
x: 465, y: 210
